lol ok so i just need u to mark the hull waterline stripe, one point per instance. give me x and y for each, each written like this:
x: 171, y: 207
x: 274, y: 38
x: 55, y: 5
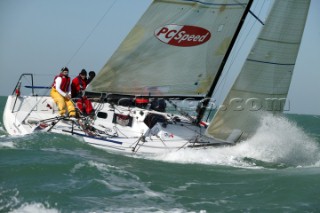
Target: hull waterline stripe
x: 37, y: 87
x: 102, y: 139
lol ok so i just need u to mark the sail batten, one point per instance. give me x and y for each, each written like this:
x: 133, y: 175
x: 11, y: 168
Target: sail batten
x: 160, y: 56
x: 213, y: 4
x: 270, y: 62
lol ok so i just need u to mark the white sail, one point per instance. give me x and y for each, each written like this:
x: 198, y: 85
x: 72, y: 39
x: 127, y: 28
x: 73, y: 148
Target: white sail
x: 263, y: 83
x: 176, y: 52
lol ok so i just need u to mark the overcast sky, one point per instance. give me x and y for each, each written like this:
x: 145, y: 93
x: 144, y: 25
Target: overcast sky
x: 41, y: 36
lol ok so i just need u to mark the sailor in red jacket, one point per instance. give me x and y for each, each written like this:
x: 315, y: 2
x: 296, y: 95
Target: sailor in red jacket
x: 78, y: 85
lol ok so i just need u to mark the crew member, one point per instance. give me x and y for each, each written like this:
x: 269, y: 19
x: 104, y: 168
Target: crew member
x: 60, y: 93
x: 92, y: 74
x: 158, y: 104
x: 78, y: 85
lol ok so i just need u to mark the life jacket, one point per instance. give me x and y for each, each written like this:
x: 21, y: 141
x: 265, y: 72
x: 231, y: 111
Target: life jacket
x: 82, y: 83
x: 141, y: 102
x: 64, y: 83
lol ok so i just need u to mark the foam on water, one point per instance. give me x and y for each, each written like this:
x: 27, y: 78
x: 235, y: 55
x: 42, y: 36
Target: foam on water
x: 1, y: 128
x: 8, y: 198
x: 281, y: 141
x: 7, y: 144
x: 6, y: 141
x: 277, y: 141
x: 11, y: 203
x: 34, y: 208
x: 152, y: 209
x: 14, y: 141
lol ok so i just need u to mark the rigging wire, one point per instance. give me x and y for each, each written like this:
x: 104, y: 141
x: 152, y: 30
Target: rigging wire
x: 91, y: 32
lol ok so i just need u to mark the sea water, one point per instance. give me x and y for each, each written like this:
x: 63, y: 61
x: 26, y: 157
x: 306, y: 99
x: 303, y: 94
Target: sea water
x: 277, y: 170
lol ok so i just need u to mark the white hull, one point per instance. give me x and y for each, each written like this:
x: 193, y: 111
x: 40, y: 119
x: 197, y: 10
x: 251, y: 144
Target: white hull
x: 128, y: 134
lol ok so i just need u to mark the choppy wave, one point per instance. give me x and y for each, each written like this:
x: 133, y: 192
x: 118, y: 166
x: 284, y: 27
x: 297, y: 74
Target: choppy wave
x: 96, y: 186
x: 11, y: 203
x: 7, y: 144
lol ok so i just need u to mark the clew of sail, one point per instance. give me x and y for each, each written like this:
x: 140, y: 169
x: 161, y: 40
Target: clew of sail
x: 263, y: 83
x: 175, y: 49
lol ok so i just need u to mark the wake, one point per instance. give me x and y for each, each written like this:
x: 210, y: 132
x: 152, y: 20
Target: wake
x: 277, y: 143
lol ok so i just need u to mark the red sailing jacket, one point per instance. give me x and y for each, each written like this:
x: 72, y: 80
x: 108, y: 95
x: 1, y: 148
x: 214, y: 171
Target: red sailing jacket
x: 77, y: 86
x: 65, y: 82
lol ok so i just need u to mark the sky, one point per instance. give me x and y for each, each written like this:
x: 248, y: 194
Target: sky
x: 40, y: 37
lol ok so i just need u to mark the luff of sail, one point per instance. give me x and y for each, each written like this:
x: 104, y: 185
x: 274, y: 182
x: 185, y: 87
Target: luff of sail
x: 263, y: 83
x: 175, y: 49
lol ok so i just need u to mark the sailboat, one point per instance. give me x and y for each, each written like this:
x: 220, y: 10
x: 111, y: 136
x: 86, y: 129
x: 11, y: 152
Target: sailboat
x: 177, y: 51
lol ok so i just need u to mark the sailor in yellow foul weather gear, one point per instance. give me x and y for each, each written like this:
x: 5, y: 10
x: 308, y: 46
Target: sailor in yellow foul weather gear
x: 60, y: 93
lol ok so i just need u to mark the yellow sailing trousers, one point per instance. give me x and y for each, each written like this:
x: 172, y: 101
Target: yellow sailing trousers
x: 62, y: 103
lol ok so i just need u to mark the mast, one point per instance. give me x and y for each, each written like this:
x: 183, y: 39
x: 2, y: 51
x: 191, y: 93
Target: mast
x: 222, y: 65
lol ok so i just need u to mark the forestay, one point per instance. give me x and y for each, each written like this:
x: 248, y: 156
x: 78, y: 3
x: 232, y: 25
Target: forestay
x: 175, y: 49
x: 263, y: 83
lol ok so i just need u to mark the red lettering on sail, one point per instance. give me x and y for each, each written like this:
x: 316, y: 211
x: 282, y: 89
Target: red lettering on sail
x: 183, y: 36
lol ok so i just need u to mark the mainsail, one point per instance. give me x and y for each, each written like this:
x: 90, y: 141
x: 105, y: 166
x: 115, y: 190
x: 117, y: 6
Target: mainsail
x: 263, y: 83
x: 175, y: 49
